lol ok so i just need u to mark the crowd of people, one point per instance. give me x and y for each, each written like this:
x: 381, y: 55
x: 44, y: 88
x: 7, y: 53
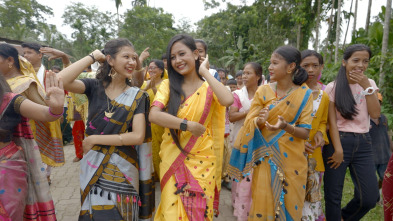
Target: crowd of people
x: 179, y: 125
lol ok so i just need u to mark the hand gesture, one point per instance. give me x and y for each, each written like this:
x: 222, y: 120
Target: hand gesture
x: 52, y: 53
x: 87, y: 144
x: 336, y: 159
x: 98, y: 56
x: 359, y: 77
x: 262, y: 116
x: 309, y: 148
x: 54, y: 91
x: 204, y: 67
x: 318, y: 139
x: 195, y: 128
x: 281, y: 124
x: 145, y: 54
x: 153, y: 79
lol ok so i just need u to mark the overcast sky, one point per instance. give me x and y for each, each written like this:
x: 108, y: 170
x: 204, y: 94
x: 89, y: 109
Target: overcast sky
x: 191, y: 10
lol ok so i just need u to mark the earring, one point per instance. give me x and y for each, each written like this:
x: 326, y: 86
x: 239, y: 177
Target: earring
x: 10, y: 66
x: 112, y: 73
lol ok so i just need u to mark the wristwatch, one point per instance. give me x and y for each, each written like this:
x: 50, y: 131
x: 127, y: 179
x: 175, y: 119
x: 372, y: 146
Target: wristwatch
x: 183, y: 125
x: 368, y: 91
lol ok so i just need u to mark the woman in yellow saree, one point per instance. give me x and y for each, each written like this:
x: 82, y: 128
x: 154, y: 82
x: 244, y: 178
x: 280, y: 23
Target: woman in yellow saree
x: 48, y: 135
x: 194, y: 134
x: 272, y: 141
x: 156, y: 70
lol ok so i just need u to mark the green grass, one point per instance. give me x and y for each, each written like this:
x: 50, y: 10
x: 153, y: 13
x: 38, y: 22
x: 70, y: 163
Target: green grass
x: 375, y: 214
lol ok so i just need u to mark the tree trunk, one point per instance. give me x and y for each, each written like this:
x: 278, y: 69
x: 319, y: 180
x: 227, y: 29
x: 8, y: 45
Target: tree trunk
x: 355, y: 17
x: 330, y: 22
x: 338, y: 30
x: 349, y: 20
x: 316, y: 43
x: 299, y: 29
x: 368, y: 15
x: 385, y: 41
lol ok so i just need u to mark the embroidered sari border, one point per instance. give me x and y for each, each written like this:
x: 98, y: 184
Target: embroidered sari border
x: 190, y: 144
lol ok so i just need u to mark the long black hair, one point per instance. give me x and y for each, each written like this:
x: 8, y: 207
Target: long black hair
x: 344, y: 100
x: 4, y: 88
x: 111, y: 48
x: 176, y: 80
x: 7, y: 51
x: 257, y: 69
x: 292, y: 55
x: 160, y: 65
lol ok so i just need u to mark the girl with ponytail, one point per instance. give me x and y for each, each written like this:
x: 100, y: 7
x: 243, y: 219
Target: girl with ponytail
x: 353, y: 100
x: 270, y: 145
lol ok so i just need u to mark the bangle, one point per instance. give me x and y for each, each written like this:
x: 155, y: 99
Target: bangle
x: 121, y: 140
x: 92, y: 56
x: 293, y: 132
x: 55, y: 115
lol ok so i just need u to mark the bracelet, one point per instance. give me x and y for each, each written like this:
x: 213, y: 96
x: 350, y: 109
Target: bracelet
x: 92, y: 56
x: 55, y: 115
x: 293, y: 132
x: 121, y: 140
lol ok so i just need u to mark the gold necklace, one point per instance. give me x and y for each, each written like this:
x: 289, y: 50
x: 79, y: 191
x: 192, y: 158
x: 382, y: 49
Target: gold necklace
x: 110, y: 112
x: 278, y: 99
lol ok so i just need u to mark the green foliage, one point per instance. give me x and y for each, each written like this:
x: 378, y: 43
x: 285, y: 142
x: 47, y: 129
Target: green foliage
x: 261, y: 27
x: 148, y: 27
x: 22, y: 19
x: 92, y: 28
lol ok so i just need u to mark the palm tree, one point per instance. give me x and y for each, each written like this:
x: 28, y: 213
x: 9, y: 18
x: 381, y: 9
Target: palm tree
x: 118, y: 3
x: 337, y: 30
x: 368, y: 15
x: 349, y: 20
x: 317, y: 26
x: 355, y: 16
x: 385, y: 41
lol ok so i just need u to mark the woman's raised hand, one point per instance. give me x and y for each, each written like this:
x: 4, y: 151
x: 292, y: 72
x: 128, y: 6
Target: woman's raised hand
x: 195, y: 128
x: 281, y: 124
x: 54, y: 91
x: 262, y: 116
x: 360, y: 78
x: 204, y: 67
x: 98, y: 56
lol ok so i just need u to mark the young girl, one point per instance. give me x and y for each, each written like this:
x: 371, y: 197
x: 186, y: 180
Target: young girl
x: 194, y: 131
x: 252, y: 78
x: 24, y: 189
x: 115, y: 176
x: 353, y: 99
x: 312, y: 62
x: 271, y: 142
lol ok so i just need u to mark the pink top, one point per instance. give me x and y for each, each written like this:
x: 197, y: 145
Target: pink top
x: 236, y: 101
x: 361, y: 122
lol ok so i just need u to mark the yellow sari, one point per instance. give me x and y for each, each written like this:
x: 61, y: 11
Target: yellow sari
x: 188, y: 182
x: 280, y: 166
x: 156, y: 134
x: 47, y: 134
x: 319, y: 124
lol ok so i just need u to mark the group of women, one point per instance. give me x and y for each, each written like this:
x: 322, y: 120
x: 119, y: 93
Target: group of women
x: 276, y: 157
